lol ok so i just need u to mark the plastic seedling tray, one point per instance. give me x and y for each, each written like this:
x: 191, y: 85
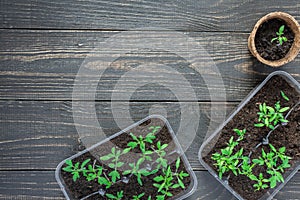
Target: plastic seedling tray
x: 282, y: 133
x: 128, y: 183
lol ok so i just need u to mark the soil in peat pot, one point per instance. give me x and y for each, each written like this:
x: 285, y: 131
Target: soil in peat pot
x: 82, y: 188
x: 266, y: 32
x: 287, y: 135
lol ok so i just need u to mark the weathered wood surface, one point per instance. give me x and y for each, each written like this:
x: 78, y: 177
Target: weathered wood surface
x: 206, y: 15
x: 37, y: 135
x: 43, y: 45
x: 43, y: 65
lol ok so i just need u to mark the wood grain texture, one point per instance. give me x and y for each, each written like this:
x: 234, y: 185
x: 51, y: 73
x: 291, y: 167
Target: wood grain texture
x: 42, y: 65
x: 27, y: 185
x: 37, y: 135
x: 189, y: 15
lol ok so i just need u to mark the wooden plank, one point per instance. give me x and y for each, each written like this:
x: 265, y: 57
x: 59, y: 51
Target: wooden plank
x: 38, y: 185
x: 40, y: 134
x: 42, y: 65
x: 207, y: 15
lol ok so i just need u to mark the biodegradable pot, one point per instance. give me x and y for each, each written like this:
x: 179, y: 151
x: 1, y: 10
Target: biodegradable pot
x: 293, y: 50
x: 83, y: 189
x: 244, y: 117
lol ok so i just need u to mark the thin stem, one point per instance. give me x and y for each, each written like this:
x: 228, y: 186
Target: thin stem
x: 88, y: 196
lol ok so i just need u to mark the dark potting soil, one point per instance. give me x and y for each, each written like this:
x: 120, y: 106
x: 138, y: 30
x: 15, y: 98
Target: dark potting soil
x: 265, y: 33
x: 82, y: 188
x: 287, y: 135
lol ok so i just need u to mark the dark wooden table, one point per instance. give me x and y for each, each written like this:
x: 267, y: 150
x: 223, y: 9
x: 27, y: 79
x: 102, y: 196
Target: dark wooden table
x: 43, y: 44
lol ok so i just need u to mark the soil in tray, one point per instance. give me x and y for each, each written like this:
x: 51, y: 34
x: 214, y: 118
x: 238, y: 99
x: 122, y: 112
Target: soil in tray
x: 81, y: 188
x: 287, y: 135
x: 265, y: 33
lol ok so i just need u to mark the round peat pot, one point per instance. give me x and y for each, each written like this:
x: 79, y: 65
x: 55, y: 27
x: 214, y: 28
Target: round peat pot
x: 263, y: 46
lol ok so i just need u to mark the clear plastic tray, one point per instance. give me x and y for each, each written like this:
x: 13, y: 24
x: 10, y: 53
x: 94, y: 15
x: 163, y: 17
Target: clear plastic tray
x: 208, y: 145
x: 188, y: 191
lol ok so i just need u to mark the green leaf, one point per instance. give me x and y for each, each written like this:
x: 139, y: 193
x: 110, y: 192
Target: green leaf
x: 132, y: 144
x: 161, y: 186
x: 164, y: 146
x: 260, y: 105
x: 175, y: 186
x: 281, y: 29
x: 84, y: 163
x: 111, y: 196
x: 106, y: 157
x: 140, y: 161
x: 126, y: 150
x: 68, y: 169
x: 272, y: 181
x: 282, y: 150
x: 75, y: 176
x: 103, y: 181
x: 69, y: 162
x: 158, y: 144
x: 114, y: 176
x: 283, y: 94
x: 133, y: 136
x: 139, y: 180
x: 177, y: 163
x: 258, y: 161
x: 158, y: 178
x: 259, y: 125
x: 253, y: 177
x: 263, y: 153
x: 181, y: 183
x: 111, y: 165
x: 272, y: 148
x: 284, y: 109
x: 271, y: 110
x: 120, y: 164
x: 264, y: 107
x: 160, y: 197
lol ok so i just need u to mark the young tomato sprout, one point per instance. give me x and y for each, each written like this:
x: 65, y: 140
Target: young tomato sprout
x: 280, y: 38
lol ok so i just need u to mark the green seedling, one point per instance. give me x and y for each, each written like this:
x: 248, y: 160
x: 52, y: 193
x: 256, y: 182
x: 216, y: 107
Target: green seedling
x: 89, y: 171
x: 76, y: 169
x: 169, y: 180
x: 114, y: 156
x: 275, y: 161
x: 160, y: 151
x: 135, y: 170
x: 240, y: 133
x: 141, y: 141
x: 284, y: 96
x: 138, y: 197
x: 164, y: 183
x: 180, y: 175
x: 269, y: 116
x: 119, y: 196
x: 280, y: 38
x: 227, y: 160
x: 261, y: 182
x: 246, y: 167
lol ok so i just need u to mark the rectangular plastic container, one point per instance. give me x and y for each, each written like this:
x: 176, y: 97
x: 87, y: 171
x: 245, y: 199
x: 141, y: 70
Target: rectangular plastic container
x: 208, y: 145
x: 189, y: 191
